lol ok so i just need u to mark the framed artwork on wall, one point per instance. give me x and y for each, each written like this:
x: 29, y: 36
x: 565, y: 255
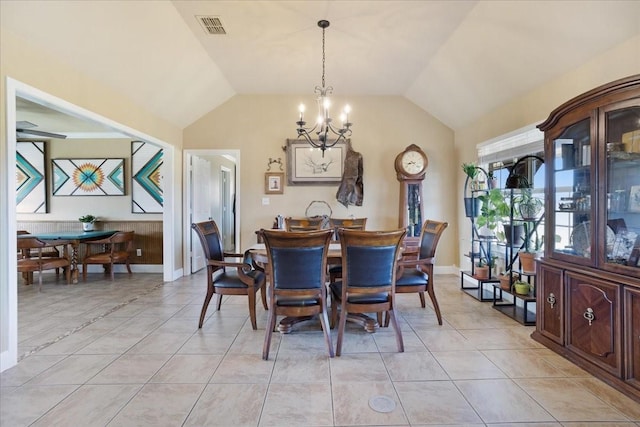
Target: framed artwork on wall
x: 146, y: 183
x: 307, y: 165
x: 274, y: 183
x: 88, y: 177
x: 31, y: 184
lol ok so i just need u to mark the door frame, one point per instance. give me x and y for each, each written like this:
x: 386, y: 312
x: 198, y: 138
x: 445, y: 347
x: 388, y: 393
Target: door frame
x: 8, y: 218
x: 186, y: 191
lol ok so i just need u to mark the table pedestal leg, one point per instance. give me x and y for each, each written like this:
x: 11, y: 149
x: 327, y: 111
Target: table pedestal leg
x: 74, y: 263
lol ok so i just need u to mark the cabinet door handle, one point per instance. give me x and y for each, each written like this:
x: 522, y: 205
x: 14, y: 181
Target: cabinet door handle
x: 589, y: 315
x: 551, y: 299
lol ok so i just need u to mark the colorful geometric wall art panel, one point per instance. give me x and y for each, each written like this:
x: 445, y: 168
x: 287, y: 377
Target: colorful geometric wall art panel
x: 88, y: 177
x: 146, y: 169
x: 31, y: 188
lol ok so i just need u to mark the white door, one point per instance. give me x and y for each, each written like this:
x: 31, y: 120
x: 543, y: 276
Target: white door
x: 201, y: 203
x: 227, y: 210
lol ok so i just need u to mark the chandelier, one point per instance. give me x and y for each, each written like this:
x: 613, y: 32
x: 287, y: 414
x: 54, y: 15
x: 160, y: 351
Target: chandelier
x: 326, y: 134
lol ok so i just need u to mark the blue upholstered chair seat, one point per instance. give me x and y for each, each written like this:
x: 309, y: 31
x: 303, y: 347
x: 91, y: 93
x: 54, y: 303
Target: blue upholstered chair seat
x: 230, y: 279
x: 412, y: 277
x: 335, y: 269
x: 296, y: 302
x: 336, y: 288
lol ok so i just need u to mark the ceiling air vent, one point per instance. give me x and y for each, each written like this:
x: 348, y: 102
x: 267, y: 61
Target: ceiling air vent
x: 211, y: 25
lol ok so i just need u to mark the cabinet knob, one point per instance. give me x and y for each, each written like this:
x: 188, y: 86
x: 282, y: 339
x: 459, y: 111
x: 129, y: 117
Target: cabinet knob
x: 589, y: 315
x: 551, y: 299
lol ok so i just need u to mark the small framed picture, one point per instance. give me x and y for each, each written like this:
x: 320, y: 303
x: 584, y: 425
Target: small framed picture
x: 634, y: 199
x: 273, y: 182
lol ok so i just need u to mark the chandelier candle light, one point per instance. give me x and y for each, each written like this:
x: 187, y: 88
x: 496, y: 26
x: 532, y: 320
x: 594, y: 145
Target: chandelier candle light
x: 326, y: 134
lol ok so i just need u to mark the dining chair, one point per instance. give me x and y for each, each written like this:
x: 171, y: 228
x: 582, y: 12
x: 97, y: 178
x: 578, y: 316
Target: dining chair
x: 32, y: 259
x: 369, y: 264
x: 296, y: 267
x: 115, y: 249
x: 416, y: 275
x: 46, y: 252
x: 335, y: 270
x: 303, y: 224
x: 226, y: 276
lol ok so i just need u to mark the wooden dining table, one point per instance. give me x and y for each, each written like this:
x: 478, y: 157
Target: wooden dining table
x: 258, y: 252
x: 74, y: 239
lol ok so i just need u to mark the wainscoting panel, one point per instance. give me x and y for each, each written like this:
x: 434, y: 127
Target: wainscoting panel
x: 148, y: 235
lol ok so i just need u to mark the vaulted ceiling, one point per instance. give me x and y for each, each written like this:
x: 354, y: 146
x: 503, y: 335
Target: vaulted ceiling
x: 455, y: 59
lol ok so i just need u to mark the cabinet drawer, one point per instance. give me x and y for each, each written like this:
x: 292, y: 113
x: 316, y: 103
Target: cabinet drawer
x: 550, y: 306
x: 593, y: 321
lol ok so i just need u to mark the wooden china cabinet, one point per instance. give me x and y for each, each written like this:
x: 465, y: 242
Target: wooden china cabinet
x: 589, y: 278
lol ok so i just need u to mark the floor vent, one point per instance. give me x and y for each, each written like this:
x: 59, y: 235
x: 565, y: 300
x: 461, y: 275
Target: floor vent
x: 211, y: 25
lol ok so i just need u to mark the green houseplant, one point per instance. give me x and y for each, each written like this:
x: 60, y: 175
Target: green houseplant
x: 471, y: 205
x: 88, y: 222
x: 494, y: 209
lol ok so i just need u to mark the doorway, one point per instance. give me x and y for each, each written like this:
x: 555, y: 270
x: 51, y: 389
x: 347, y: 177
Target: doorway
x: 211, y: 180
x: 8, y: 267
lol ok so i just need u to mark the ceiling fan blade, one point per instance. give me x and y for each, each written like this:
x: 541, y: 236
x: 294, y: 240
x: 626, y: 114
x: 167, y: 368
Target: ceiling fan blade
x: 41, y: 133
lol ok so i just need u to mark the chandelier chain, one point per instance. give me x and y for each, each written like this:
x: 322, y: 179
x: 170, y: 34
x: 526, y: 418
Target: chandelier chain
x: 323, y: 59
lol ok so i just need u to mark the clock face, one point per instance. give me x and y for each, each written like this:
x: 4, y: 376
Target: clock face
x: 413, y: 162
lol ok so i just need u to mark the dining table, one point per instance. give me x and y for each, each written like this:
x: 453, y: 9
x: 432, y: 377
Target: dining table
x: 72, y: 238
x: 259, y: 255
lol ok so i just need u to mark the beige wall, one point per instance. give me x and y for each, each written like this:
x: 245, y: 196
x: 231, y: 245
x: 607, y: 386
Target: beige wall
x: 383, y: 126
x: 38, y: 69
x: 534, y: 107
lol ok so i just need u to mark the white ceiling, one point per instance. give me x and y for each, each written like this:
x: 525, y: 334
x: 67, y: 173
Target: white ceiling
x: 456, y: 59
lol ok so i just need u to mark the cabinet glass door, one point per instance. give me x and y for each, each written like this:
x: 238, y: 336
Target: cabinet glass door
x: 572, y: 195
x: 414, y: 207
x: 622, y: 228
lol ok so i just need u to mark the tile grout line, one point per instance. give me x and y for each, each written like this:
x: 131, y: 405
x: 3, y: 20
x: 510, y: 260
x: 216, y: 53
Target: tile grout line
x: 87, y: 323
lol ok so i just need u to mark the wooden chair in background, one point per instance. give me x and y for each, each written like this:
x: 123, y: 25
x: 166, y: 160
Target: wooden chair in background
x: 416, y: 275
x: 46, y: 252
x: 369, y: 264
x: 115, y: 249
x: 297, y: 269
x: 303, y: 224
x: 32, y: 259
x: 228, y: 277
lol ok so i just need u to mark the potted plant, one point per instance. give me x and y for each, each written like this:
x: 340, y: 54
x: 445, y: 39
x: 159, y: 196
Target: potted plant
x: 471, y: 205
x: 532, y: 248
x: 484, y: 267
x: 521, y: 287
x: 88, y: 222
x: 528, y: 206
x: 507, y: 279
x: 494, y: 209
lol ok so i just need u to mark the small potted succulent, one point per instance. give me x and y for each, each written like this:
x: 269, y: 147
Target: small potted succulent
x: 88, y: 222
x: 521, y: 287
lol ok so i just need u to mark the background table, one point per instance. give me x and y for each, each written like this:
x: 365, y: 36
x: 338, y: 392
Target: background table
x: 74, y: 238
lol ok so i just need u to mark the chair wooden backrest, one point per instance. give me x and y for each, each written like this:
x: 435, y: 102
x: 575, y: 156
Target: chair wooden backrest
x: 429, y: 238
x: 209, y: 235
x: 303, y: 224
x: 107, y: 251
x: 348, y: 223
x: 369, y: 264
x: 297, y: 268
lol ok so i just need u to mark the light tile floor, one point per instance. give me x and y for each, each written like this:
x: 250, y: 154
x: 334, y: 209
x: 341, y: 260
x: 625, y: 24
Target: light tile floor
x: 129, y: 353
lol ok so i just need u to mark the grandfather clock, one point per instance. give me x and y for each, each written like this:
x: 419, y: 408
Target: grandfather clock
x: 411, y: 165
